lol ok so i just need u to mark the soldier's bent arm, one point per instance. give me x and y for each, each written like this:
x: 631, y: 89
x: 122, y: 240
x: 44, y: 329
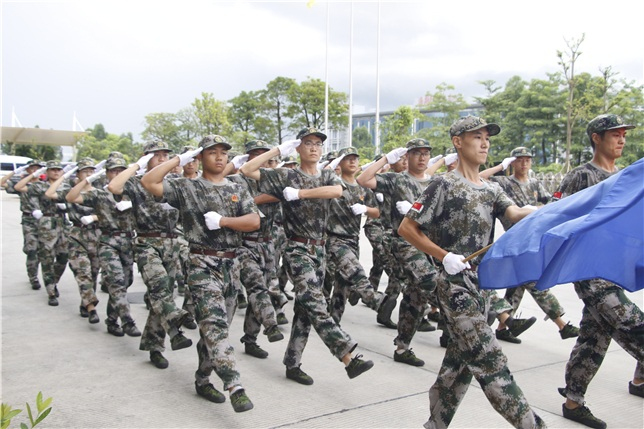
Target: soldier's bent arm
x: 373, y: 212
x: 74, y: 195
x: 515, y: 214
x: 251, y: 168
x: 246, y: 223
x: 5, y: 178
x: 152, y: 181
x: 22, y: 185
x: 410, y: 230
x: 322, y: 193
x: 117, y: 184
x: 52, y: 193
x: 265, y: 199
x: 368, y: 177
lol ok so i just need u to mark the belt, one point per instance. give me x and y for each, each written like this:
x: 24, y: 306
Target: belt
x: 258, y: 239
x: 218, y: 253
x: 26, y: 213
x: 307, y: 240
x: 82, y: 225
x: 120, y: 234
x: 52, y: 214
x: 157, y: 234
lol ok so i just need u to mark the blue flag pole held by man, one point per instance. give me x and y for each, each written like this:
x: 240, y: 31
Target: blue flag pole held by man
x: 594, y: 233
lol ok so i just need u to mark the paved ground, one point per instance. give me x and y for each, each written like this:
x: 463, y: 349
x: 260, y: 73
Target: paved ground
x: 99, y: 381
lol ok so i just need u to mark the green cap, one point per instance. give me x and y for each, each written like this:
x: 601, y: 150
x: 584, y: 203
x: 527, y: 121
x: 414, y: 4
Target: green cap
x: 605, y: 123
x: 450, y: 150
x: 521, y: 151
x: 54, y: 163
x: 310, y: 131
x: 212, y: 140
x: 85, y: 163
x: 187, y: 148
x: 115, y: 163
x: 155, y: 146
x: 115, y: 154
x: 349, y: 151
x: 35, y: 162
x: 418, y: 144
x: 289, y: 160
x: 472, y: 123
x: 257, y: 144
x: 330, y: 156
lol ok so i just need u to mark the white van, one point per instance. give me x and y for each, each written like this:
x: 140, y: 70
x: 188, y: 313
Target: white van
x: 8, y: 163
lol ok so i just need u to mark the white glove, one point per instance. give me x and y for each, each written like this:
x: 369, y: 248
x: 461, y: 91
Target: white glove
x: 434, y: 160
x: 37, y: 214
x: 69, y: 172
x: 288, y: 147
x: 395, y: 155
x: 86, y: 220
x: 20, y: 170
x: 454, y: 263
x: 358, y: 209
x: 507, y: 161
x: 322, y: 164
x: 68, y: 167
x: 124, y: 205
x: 380, y: 197
x: 451, y: 158
x: 189, y: 156
x: 39, y: 171
x: 100, y: 165
x: 239, y: 160
x: 61, y: 206
x: 403, y: 207
x: 280, y: 165
x: 143, y: 161
x: 334, y: 164
x: 367, y: 165
x: 531, y: 207
x: 212, y: 220
x: 93, y: 177
x: 291, y: 194
x: 166, y: 206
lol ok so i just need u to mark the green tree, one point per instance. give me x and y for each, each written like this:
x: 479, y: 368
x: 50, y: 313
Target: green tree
x: 277, y: 101
x: 361, y: 140
x: 444, y: 107
x: 307, y: 103
x: 247, y: 117
x: 397, y: 128
x: 163, y: 126
x: 211, y: 115
x: 99, y: 149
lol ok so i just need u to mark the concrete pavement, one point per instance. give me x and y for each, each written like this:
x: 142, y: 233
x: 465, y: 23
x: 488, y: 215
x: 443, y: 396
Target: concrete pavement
x: 100, y: 381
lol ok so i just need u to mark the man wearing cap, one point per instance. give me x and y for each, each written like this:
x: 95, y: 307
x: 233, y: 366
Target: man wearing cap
x: 50, y: 216
x: 156, y: 258
x: 454, y: 217
x: 214, y: 212
x: 608, y: 313
x: 83, y: 238
x: 417, y: 270
x: 28, y: 222
x: 526, y: 191
x: 115, y: 243
x: 305, y: 193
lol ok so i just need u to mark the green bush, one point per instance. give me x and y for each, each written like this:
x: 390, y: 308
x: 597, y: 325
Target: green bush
x: 7, y: 413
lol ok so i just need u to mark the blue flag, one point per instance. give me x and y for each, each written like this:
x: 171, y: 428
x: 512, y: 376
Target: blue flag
x: 595, y: 233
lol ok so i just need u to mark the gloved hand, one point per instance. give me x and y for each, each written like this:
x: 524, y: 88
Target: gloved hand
x: 100, y: 165
x: 239, y: 160
x: 68, y: 167
x: 189, y: 156
x: 69, y: 172
x: 322, y: 164
x: 61, y: 206
x: 451, y: 158
x: 334, y: 164
x: 531, y: 207
x: 454, y: 263
x: 20, y: 170
x: 166, y: 206
x: 123, y: 205
x: 86, y: 220
x: 93, y: 177
x: 143, y: 161
x: 380, y: 197
x: 507, y: 161
x: 395, y: 155
x: 291, y: 194
x: 358, y: 209
x: 288, y: 147
x: 367, y: 165
x: 434, y: 160
x: 403, y: 207
x: 40, y: 171
x: 280, y: 165
x: 37, y: 214
x: 212, y: 220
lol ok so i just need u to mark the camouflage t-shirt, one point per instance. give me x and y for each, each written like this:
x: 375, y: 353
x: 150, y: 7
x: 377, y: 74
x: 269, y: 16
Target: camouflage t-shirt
x: 581, y: 178
x: 458, y: 215
x: 341, y: 220
x: 149, y: 214
x: 109, y: 217
x: 303, y: 218
x: 267, y: 211
x: 531, y: 192
x: 194, y: 198
x: 27, y: 203
x: 375, y: 222
x: 37, y: 191
x: 385, y: 185
x: 74, y: 211
x: 403, y: 188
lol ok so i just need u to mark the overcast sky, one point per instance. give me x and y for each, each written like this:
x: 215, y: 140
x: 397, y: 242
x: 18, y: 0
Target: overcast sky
x: 113, y: 62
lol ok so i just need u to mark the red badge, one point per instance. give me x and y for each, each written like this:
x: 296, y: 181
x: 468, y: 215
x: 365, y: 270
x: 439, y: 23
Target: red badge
x: 235, y: 198
x: 417, y: 206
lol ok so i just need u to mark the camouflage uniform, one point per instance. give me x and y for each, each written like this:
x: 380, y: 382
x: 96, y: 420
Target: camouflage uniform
x: 212, y: 266
x: 608, y: 312
x: 374, y: 232
x: 304, y: 258
x: 157, y: 261
x: 458, y: 216
x: 52, y: 240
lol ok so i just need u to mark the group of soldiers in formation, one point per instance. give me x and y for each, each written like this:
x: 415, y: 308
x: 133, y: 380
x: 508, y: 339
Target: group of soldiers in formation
x: 220, y: 232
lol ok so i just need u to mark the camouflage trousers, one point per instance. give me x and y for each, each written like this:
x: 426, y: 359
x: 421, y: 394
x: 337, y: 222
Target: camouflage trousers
x: 279, y: 241
x: 158, y: 263
x: 30, y: 247
x: 52, y: 250
x: 374, y: 234
x: 254, y: 258
x: 348, y: 276
x: 116, y: 259
x: 183, y: 250
x: 608, y: 314
x: 278, y: 298
x: 84, y: 261
x: 497, y: 305
x: 210, y: 280
x: 397, y: 278
x: 420, y: 289
x: 544, y: 299
x: 305, y: 264
x: 473, y: 351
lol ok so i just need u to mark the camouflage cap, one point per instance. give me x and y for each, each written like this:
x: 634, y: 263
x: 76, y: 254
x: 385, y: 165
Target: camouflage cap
x: 450, y: 150
x: 349, y: 151
x: 187, y: 148
x: 418, y: 144
x: 85, y: 163
x: 257, y: 144
x: 606, y: 122
x: 377, y: 157
x: 310, y: 131
x: 115, y: 163
x: 330, y: 156
x: 35, y: 162
x: 472, y: 123
x: 155, y: 146
x: 289, y: 160
x: 54, y: 163
x: 115, y: 154
x: 521, y: 151
x: 212, y: 140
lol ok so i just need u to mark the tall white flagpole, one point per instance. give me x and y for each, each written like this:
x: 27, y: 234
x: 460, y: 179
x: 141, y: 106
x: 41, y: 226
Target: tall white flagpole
x: 350, y: 137
x: 377, y: 128
x: 326, y: 78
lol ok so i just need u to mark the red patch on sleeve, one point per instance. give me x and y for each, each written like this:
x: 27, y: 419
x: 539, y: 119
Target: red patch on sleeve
x: 417, y: 206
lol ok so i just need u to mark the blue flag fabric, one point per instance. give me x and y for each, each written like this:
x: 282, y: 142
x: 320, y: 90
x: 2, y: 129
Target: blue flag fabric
x: 595, y: 233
